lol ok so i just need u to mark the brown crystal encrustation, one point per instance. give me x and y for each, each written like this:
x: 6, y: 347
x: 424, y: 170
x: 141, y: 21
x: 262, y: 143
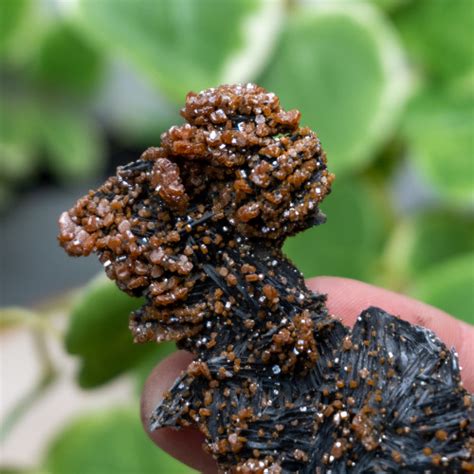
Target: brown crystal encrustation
x: 277, y: 384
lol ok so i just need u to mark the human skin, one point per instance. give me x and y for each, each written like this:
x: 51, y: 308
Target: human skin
x: 346, y: 299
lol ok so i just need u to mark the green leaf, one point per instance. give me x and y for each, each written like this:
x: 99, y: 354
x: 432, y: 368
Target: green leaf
x: 440, y: 131
x: 14, y: 470
x: 66, y: 61
x: 422, y: 241
x: 16, y: 160
x: 6, y: 194
x: 18, y: 138
x: 74, y: 145
x: 98, y: 333
x: 449, y: 286
x: 13, y: 12
x: 184, y: 45
x: 112, y: 442
x: 343, y: 68
x: 144, y: 369
x: 390, y: 5
x: 439, y: 35
x: 439, y: 236
x: 348, y: 244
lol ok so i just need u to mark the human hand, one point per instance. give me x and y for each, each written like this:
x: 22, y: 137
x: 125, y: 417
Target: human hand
x: 346, y: 299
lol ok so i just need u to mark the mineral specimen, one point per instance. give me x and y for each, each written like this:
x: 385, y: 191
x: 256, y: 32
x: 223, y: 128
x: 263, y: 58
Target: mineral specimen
x: 277, y: 384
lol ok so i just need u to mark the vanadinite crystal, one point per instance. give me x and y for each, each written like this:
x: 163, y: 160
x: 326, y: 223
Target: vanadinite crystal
x: 277, y: 384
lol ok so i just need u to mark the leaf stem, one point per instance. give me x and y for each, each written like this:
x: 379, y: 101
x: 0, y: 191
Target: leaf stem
x: 49, y: 375
x: 395, y: 260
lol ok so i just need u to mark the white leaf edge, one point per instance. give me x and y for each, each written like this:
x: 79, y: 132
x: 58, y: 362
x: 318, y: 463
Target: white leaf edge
x: 260, y: 32
x: 399, y: 79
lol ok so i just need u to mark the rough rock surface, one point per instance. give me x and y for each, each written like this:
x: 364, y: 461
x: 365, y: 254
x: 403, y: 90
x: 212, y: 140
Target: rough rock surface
x: 277, y: 384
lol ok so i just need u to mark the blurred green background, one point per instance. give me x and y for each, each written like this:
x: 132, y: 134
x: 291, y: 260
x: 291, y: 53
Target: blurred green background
x: 87, y: 85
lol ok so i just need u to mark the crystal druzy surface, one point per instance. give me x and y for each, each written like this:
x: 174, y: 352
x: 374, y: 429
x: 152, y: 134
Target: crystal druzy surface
x: 277, y: 384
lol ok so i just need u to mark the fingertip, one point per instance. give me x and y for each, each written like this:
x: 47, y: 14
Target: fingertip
x: 347, y: 298
x: 160, y: 380
x: 184, y: 444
